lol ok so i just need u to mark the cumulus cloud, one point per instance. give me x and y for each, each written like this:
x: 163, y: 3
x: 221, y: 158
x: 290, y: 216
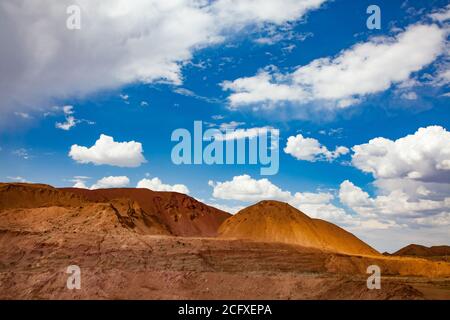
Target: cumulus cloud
x: 156, y: 184
x: 319, y: 205
x: 227, y: 208
x: 79, y: 182
x: 310, y: 149
x: 237, y: 12
x: 397, y: 204
x: 365, y: 68
x: 80, y: 185
x: 263, y: 88
x: 353, y: 196
x: 111, y: 182
x: 43, y: 60
x: 438, y: 220
x: 245, y: 188
x: 423, y: 156
x: 109, y: 152
x: 411, y: 174
x: 105, y: 182
x: 415, y: 189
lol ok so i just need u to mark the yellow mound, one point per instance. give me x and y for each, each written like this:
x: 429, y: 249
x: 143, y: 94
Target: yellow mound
x: 273, y: 221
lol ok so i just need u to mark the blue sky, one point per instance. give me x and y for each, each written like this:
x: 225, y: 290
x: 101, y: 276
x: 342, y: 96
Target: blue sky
x: 143, y: 105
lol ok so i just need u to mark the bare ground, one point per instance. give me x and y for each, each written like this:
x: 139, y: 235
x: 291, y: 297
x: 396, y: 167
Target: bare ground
x: 133, y: 266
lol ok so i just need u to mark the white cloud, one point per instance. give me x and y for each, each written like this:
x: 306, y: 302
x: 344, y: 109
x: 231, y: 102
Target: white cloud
x: 273, y: 34
x: 217, y: 117
x: 366, y: 68
x: 409, y: 95
x: 79, y: 182
x: 156, y: 184
x: 230, y: 125
x: 423, y: 191
x: 438, y: 220
x: 71, y: 121
x: 224, y: 207
x: 442, y: 76
x: 23, y: 115
x: 21, y: 153
x: 237, y: 12
x: 347, y: 102
x: 442, y: 14
x: 111, y: 182
x: 18, y: 179
x: 67, y: 110
x: 245, y: 188
x: 415, y: 189
x: 116, y: 44
x: 103, y: 183
x: 373, y: 66
x: 264, y: 87
x: 249, y: 133
x: 319, y: 205
x: 109, y: 152
x: 190, y: 93
x: 396, y: 204
x: 80, y: 185
x: 310, y: 149
x: 423, y: 156
x: 412, y: 178
x: 353, y: 196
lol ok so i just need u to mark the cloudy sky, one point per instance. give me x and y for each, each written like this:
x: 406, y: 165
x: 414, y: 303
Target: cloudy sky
x: 363, y: 115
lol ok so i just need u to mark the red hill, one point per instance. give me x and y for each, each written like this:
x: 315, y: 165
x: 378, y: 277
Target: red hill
x: 181, y: 214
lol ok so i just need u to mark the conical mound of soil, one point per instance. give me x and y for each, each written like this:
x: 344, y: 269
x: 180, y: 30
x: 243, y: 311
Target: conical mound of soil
x: 273, y: 221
